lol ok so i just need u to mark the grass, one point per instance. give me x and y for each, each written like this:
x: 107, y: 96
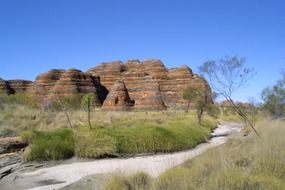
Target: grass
x: 152, y: 132
x: 247, y: 163
x: 53, y: 145
x: 138, y: 181
x: 112, y: 133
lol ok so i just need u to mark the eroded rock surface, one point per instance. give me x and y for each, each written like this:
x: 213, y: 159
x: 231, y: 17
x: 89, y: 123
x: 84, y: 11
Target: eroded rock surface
x: 118, y: 98
x: 67, y: 83
x: 149, y: 84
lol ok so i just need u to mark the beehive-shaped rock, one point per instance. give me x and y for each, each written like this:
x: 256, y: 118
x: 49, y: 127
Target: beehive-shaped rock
x: 118, y: 98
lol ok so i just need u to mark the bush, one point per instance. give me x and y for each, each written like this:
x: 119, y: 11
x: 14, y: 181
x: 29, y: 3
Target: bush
x: 28, y: 100
x: 134, y: 136
x: 53, y: 145
x: 138, y: 181
x: 93, y: 144
x: 118, y: 183
x: 178, y: 178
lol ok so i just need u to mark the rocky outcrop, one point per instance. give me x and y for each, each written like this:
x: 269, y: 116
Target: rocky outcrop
x: 149, y: 84
x: 108, y: 72
x: 144, y: 90
x: 14, y: 86
x: 118, y: 98
x: 68, y: 83
x: 11, y: 144
x: 20, y: 86
x: 4, y: 86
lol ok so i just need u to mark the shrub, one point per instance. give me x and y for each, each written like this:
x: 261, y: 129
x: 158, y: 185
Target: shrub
x: 138, y: 181
x: 20, y: 99
x: 93, y: 144
x: 177, y: 178
x: 118, y: 183
x: 53, y: 145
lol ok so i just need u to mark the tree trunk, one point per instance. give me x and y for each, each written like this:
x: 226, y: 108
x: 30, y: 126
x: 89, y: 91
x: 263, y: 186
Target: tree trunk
x: 89, y: 120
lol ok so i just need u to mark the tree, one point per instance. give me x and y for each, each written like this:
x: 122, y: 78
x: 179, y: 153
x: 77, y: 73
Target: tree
x: 64, y: 103
x: 274, y: 98
x: 226, y: 76
x: 199, y: 98
x: 88, y: 103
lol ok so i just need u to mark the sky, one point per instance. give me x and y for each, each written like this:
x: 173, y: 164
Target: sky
x: 39, y: 35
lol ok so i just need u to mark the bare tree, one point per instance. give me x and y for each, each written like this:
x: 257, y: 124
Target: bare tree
x: 88, y: 104
x: 64, y: 102
x: 226, y: 76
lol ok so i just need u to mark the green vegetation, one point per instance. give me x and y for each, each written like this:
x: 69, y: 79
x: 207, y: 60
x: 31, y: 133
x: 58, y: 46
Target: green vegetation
x: 112, y: 133
x: 274, y: 98
x: 199, y: 98
x: 138, y: 135
x: 226, y: 76
x: 88, y: 104
x: 53, y: 145
x: 139, y: 181
x: 242, y: 163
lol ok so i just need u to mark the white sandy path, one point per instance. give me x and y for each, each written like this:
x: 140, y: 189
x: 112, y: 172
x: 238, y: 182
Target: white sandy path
x: 153, y: 165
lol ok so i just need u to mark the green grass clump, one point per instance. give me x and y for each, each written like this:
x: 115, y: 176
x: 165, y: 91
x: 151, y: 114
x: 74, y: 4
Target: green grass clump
x: 138, y: 181
x: 249, y: 163
x: 142, y: 135
x: 243, y: 163
x: 93, y: 144
x: 52, y: 145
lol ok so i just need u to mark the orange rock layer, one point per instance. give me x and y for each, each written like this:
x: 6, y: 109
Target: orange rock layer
x: 146, y: 85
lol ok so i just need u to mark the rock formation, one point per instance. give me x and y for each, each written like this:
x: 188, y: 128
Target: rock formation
x: 68, y: 83
x: 148, y: 84
x: 15, y: 86
x: 20, y: 86
x: 118, y: 98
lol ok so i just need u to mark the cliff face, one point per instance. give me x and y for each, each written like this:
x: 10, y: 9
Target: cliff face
x: 67, y: 83
x: 146, y: 85
x: 15, y: 86
x: 150, y: 84
x: 118, y: 98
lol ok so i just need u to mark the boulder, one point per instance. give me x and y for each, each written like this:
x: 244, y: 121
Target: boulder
x: 118, y: 98
x: 11, y: 144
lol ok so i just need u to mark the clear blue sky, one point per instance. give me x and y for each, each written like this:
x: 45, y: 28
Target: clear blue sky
x: 38, y: 35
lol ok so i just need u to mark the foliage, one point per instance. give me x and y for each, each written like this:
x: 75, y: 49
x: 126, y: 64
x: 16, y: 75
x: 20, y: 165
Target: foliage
x: 213, y: 110
x: 93, y: 144
x: 242, y: 163
x: 71, y: 102
x: 226, y: 76
x: 88, y: 104
x: 173, y: 135
x: 53, y: 145
x: 199, y: 98
x: 114, y: 133
x: 274, y: 98
x: 24, y: 99
x: 138, y: 181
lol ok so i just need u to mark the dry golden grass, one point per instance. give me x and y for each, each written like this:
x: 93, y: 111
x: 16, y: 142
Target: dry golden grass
x: 249, y: 163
